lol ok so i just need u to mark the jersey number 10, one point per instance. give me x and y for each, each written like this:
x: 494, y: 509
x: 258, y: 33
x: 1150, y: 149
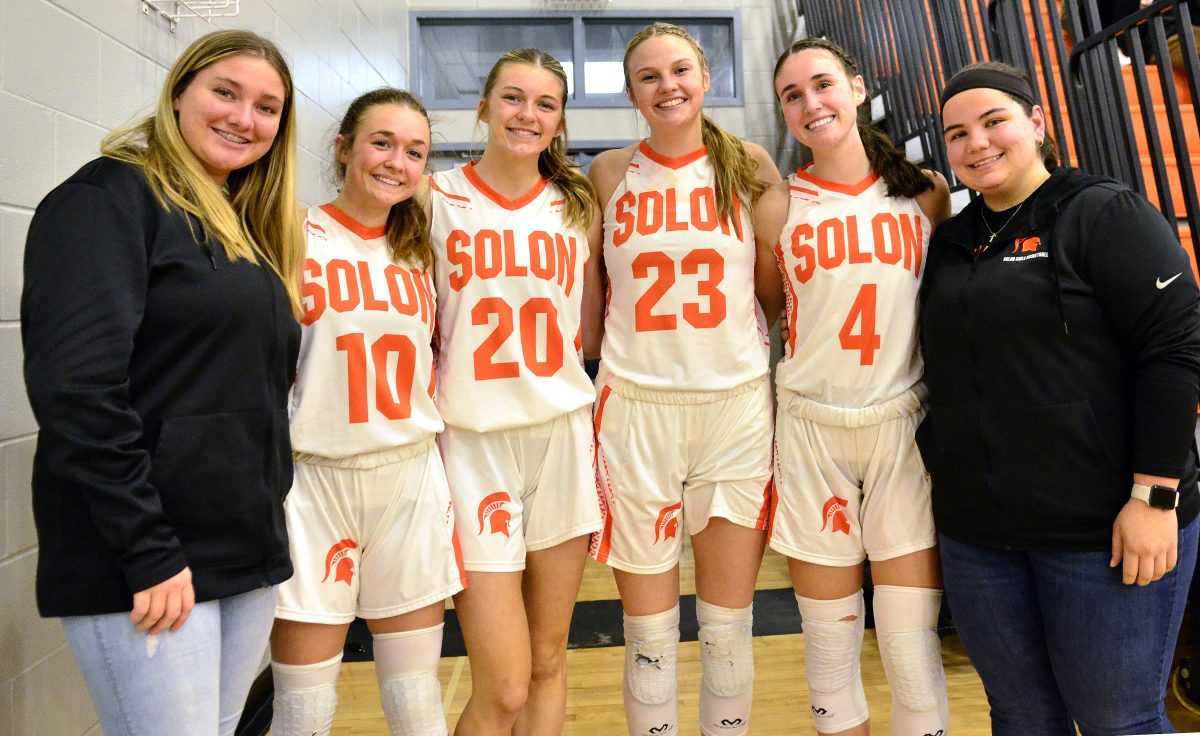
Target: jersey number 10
x: 392, y: 399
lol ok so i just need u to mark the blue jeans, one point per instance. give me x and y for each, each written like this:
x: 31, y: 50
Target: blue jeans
x: 1058, y: 640
x: 192, y: 682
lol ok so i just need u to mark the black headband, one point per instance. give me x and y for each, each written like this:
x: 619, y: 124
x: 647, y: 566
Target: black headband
x: 991, y: 79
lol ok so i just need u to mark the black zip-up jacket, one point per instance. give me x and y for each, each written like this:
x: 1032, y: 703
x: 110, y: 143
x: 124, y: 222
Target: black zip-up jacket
x: 1060, y: 361
x: 158, y: 372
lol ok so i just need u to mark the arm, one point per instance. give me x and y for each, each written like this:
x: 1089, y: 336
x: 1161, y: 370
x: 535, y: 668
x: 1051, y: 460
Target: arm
x: 1159, y: 328
x: 768, y: 172
x: 594, y: 287
x: 82, y: 305
x: 606, y: 172
x: 770, y: 214
x: 935, y: 203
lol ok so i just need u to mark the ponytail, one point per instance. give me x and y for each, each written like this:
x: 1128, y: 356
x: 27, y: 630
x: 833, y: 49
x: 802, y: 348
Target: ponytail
x: 734, y: 169
x: 564, y: 175
x: 902, y: 177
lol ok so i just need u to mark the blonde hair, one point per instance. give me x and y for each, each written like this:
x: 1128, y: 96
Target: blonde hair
x: 735, y: 170
x: 407, y: 230
x: 254, y: 217
x: 553, y: 162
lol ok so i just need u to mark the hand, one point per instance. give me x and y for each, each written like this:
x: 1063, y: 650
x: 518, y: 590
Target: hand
x: 1146, y: 540
x: 164, y: 606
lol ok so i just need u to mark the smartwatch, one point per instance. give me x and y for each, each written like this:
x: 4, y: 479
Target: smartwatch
x: 1156, y: 496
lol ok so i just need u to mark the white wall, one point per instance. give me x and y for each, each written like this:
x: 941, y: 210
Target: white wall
x: 72, y: 69
x: 69, y: 71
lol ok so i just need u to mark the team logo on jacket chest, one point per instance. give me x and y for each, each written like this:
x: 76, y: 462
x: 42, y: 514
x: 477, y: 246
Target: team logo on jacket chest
x: 667, y: 524
x: 494, y: 517
x: 340, y: 562
x: 833, y: 515
x: 1026, y: 248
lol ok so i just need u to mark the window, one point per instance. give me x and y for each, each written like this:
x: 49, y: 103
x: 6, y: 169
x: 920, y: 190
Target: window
x: 452, y: 52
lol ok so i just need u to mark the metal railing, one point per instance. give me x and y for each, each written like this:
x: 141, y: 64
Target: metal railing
x: 908, y: 48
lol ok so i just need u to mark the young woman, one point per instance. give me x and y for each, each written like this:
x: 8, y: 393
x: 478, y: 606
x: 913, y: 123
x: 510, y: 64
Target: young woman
x: 1061, y: 337
x: 369, y: 514
x: 159, y: 336
x: 684, y: 413
x: 849, y: 482
x: 513, y: 233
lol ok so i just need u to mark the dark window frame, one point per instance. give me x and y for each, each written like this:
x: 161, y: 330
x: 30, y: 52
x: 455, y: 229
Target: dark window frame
x: 579, y: 19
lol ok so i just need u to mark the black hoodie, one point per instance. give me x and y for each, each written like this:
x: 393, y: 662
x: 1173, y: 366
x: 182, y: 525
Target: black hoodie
x: 1060, y: 360
x: 158, y: 371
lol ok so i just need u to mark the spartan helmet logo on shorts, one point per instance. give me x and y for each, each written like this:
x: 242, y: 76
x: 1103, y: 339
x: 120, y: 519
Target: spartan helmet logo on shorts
x: 492, y: 511
x: 667, y: 525
x: 834, y: 515
x: 339, y: 562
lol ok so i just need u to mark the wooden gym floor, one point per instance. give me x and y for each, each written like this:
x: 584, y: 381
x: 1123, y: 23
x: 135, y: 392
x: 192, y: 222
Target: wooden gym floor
x: 594, y: 670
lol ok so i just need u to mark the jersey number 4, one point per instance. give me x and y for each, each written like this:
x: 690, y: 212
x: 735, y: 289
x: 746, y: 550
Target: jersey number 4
x: 535, y: 313
x: 862, y: 315
x: 644, y: 318
x: 393, y: 398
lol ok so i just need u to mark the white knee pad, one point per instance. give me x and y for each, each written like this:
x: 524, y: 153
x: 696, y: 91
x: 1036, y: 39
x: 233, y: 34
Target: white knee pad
x: 832, y: 649
x: 651, y: 656
x: 406, y: 665
x: 651, y: 679
x: 727, y: 661
x: 906, y: 625
x: 305, y: 697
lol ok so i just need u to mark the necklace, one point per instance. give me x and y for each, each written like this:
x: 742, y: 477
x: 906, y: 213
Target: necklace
x: 1001, y: 228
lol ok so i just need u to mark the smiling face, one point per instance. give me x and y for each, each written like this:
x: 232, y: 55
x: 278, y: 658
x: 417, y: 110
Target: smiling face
x: 992, y: 145
x: 819, y: 101
x: 230, y: 113
x: 385, y: 158
x: 666, y: 81
x: 524, y: 109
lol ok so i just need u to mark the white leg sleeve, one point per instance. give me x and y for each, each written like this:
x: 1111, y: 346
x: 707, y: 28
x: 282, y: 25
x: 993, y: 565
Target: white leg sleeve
x: 727, y: 659
x: 406, y: 666
x: 651, y: 679
x: 832, y: 649
x: 906, y: 624
x: 305, y: 697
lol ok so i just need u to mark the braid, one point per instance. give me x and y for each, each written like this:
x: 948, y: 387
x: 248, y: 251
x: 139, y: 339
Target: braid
x: 902, y: 177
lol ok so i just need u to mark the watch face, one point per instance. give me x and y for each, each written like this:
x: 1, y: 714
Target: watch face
x: 1163, y: 497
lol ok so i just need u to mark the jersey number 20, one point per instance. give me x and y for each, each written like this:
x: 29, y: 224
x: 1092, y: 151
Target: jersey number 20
x: 533, y: 311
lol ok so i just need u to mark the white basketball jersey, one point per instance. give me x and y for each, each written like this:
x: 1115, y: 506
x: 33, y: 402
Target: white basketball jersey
x: 681, y: 309
x: 365, y: 377
x: 510, y: 286
x: 852, y: 260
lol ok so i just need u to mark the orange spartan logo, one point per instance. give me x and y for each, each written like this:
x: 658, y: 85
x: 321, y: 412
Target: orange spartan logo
x: 832, y: 511
x: 491, y: 508
x: 339, y: 562
x: 668, y: 522
x: 1027, y: 245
